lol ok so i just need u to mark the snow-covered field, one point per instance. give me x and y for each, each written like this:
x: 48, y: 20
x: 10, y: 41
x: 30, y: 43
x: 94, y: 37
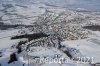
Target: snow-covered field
x: 88, y: 47
x: 19, y: 14
x: 5, y: 38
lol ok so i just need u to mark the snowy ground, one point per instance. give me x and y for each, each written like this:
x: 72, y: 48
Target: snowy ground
x: 89, y: 47
x: 5, y: 38
x: 19, y: 14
